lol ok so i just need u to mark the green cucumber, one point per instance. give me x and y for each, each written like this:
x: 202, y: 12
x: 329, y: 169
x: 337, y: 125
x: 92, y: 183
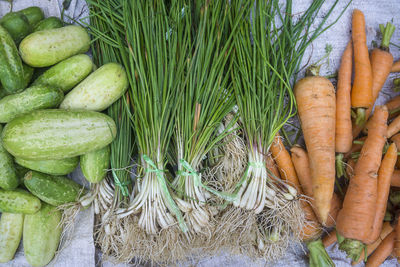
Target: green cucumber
x: 33, y: 98
x: 99, y: 90
x: 42, y: 232
x: 17, y: 25
x: 21, y: 171
x: 28, y: 73
x: 34, y: 14
x: 95, y: 164
x: 18, y: 201
x: 48, y: 23
x: 8, y: 175
x: 11, y: 69
x: 52, y: 166
x: 57, y: 134
x: 3, y: 92
x: 48, y: 47
x: 11, y: 226
x: 54, y: 190
x: 68, y: 73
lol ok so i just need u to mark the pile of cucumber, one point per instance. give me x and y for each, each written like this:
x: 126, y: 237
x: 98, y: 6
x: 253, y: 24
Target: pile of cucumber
x: 51, y: 98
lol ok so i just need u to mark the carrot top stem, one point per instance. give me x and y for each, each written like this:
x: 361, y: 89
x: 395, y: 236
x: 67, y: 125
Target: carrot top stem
x: 352, y: 247
x: 387, y: 32
x: 396, y: 88
x: 318, y: 255
x: 361, y: 118
x: 339, y: 238
x: 313, y: 70
x: 340, y: 168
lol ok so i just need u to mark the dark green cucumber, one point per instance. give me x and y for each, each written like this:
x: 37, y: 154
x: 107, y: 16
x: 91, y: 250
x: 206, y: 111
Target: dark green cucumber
x: 54, y: 190
x: 21, y: 171
x: 33, y: 98
x: 48, y: 47
x: 18, y: 201
x: 3, y: 92
x: 68, y: 73
x: 48, y: 23
x: 52, y: 166
x: 11, y: 225
x: 42, y: 232
x: 34, y: 14
x: 95, y: 164
x: 57, y: 134
x: 11, y: 69
x: 28, y: 73
x: 17, y: 25
x: 8, y: 175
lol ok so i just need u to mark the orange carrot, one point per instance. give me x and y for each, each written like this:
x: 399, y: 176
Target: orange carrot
x: 396, y: 66
x: 316, y: 105
x: 396, y: 139
x: 329, y: 238
x: 397, y: 241
x: 302, y: 167
x: 357, y: 216
x: 343, y: 133
x: 384, y: 177
x: 394, y: 127
x: 271, y: 166
x: 350, y: 168
x: 386, y: 230
x: 395, y: 178
x: 393, y: 106
x: 382, y: 251
x: 361, y: 93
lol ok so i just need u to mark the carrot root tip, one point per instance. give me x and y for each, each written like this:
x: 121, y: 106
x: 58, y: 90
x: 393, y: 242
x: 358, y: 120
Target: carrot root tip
x: 353, y: 248
x: 318, y: 255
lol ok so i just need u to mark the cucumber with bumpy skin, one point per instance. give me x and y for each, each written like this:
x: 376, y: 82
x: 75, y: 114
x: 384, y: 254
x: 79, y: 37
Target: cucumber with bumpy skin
x: 11, y: 69
x: 18, y: 201
x: 95, y: 164
x: 33, y: 98
x: 42, y: 232
x: 68, y: 73
x: 52, y: 166
x: 34, y: 14
x: 8, y: 176
x: 48, y: 47
x: 48, y: 23
x: 17, y: 25
x: 11, y: 225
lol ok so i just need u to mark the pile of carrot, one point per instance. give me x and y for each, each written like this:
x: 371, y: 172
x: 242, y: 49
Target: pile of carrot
x: 352, y: 148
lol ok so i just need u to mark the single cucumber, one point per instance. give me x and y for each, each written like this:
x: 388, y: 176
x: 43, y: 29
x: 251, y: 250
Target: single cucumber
x: 95, y: 164
x: 11, y: 225
x: 68, y: 73
x: 8, y: 175
x: 57, y: 134
x: 34, y: 14
x: 33, y: 98
x: 48, y: 23
x: 42, y: 232
x: 99, y: 90
x: 52, y: 166
x: 28, y: 73
x: 17, y: 25
x: 18, y: 201
x: 48, y: 47
x: 11, y: 69
x: 54, y: 190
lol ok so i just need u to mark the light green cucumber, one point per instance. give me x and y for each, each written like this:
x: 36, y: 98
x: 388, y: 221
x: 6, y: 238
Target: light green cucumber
x: 11, y: 225
x: 17, y: 25
x: 18, y: 201
x: 54, y: 190
x: 68, y: 73
x: 95, y: 164
x: 48, y: 23
x: 11, y: 69
x: 34, y: 14
x: 51, y: 166
x: 48, y: 47
x: 99, y: 90
x: 42, y: 232
x: 8, y: 175
x: 57, y: 134
x: 33, y: 98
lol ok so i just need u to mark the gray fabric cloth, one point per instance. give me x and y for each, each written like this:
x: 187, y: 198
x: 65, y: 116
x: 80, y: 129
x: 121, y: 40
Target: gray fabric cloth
x: 81, y: 252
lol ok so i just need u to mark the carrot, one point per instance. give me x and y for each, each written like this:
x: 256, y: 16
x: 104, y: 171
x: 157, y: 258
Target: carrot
x: 396, y: 139
x: 361, y: 93
x: 302, y: 167
x: 315, y: 96
x: 394, y: 127
x: 384, y: 249
x: 329, y: 238
x: 357, y: 145
x: 396, y: 66
x: 397, y: 241
x: 395, y: 178
x: 271, y: 166
x: 387, y: 228
x: 393, y: 106
x: 384, y: 177
x: 356, y: 218
x: 350, y: 168
x: 343, y: 133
